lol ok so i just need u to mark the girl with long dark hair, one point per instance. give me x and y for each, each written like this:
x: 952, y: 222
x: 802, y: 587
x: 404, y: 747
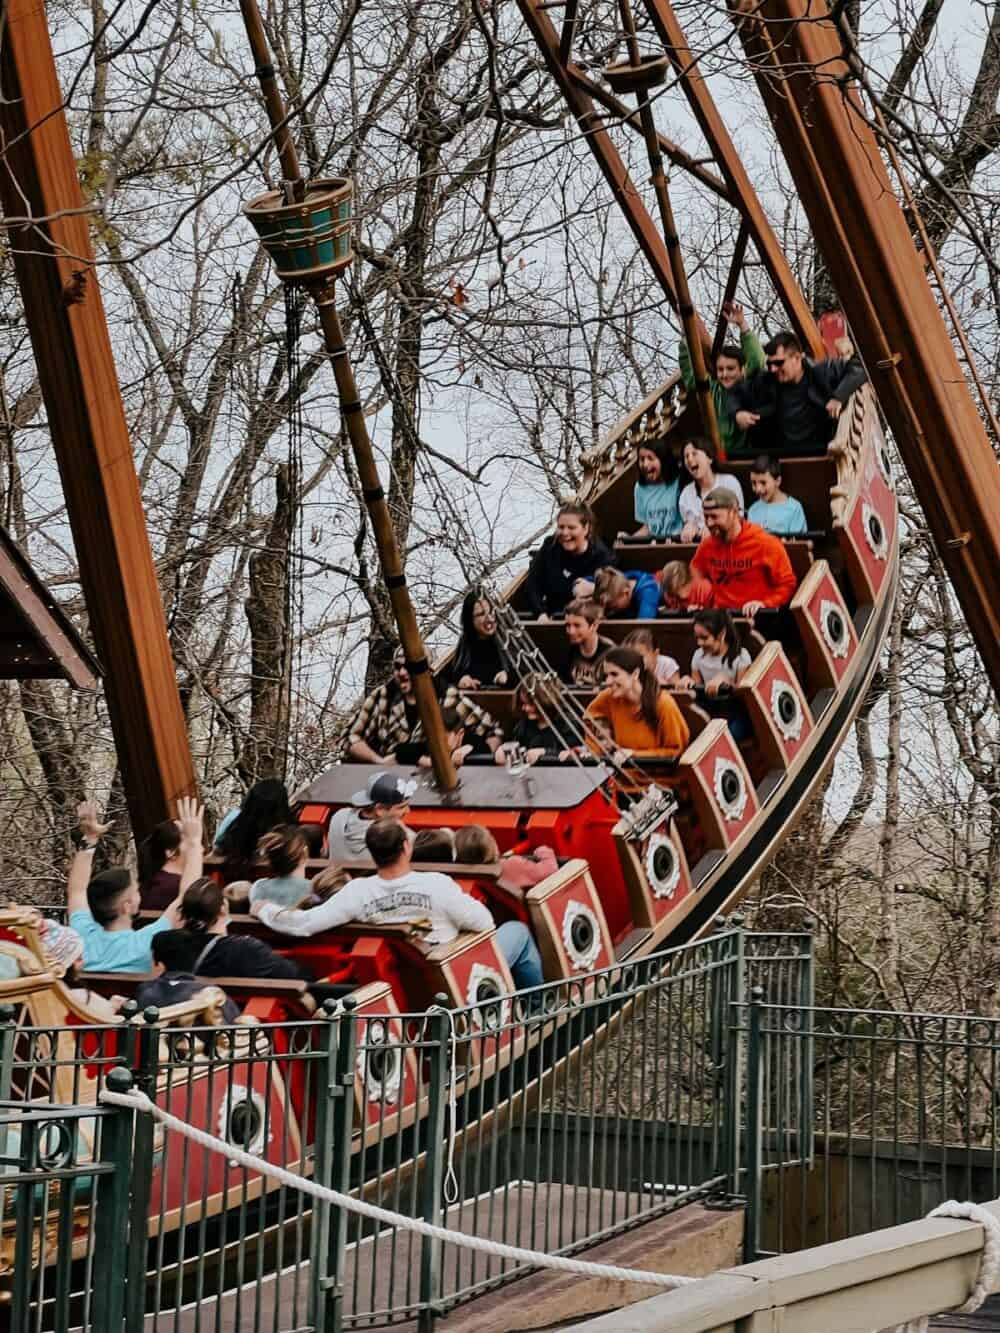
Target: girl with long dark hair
x: 640, y: 717
x: 265, y: 807
x: 480, y: 662
x: 719, y: 658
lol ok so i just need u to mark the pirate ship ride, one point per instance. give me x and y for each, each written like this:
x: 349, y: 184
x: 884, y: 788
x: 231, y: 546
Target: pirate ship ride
x: 631, y: 881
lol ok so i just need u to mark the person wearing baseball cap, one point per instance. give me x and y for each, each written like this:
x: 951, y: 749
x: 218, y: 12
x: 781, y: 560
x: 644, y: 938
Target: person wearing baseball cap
x: 747, y: 567
x: 384, y: 796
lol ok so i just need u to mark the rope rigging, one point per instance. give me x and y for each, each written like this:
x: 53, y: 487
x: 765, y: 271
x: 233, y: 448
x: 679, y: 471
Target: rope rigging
x: 549, y: 693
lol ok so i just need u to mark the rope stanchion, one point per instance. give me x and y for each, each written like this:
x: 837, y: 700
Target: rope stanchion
x: 138, y: 1101
x: 989, y: 1264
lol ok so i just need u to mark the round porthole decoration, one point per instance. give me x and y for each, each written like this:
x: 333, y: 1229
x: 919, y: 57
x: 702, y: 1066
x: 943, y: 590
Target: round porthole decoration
x: 875, y: 534
x: 786, y: 710
x: 663, y: 867
x: 380, y: 1063
x: 581, y: 932
x: 486, y: 997
x: 730, y: 789
x: 241, y: 1118
x: 834, y: 626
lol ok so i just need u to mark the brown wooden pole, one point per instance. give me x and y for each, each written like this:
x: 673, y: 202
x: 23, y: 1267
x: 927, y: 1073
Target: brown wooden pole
x: 390, y: 559
x: 694, y: 333
x: 54, y: 264
x: 841, y: 178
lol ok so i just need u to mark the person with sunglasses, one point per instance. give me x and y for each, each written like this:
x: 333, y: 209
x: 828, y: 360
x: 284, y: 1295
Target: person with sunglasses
x: 793, y: 408
x: 388, y: 718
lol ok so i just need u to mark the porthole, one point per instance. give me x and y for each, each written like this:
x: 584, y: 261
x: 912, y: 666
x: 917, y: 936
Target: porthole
x: 875, y: 534
x: 241, y: 1119
x: 581, y: 933
x: 486, y: 995
x: 786, y: 710
x: 834, y: 626
x: 730, y: 789
x: 663, y: 867
x: 380, y: 1063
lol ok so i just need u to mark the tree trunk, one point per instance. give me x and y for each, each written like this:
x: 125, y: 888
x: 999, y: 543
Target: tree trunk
x: 267, y: 610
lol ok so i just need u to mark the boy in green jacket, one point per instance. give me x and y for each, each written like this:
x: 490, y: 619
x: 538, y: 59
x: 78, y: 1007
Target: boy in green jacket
x: 731, y: 366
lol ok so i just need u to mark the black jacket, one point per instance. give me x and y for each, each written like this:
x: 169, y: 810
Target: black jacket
x: 492, y: 658
x: 834, y: 377
x: 553, y: 572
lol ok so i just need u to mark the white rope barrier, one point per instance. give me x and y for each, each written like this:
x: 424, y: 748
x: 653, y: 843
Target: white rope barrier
x: 138, y: 1101
x: 989, y: 1263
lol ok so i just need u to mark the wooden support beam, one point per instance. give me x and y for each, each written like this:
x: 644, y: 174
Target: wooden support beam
x: 734, y: 173
x: 732, y: 282
x: 55, y: 270
x: 845, y: 189
x: 629, y: 118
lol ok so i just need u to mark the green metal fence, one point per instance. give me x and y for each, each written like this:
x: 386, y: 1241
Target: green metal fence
x: 857, y: 1119
x: 514, y: 1120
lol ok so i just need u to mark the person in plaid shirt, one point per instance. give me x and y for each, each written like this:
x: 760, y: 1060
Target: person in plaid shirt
x: 388, y: 718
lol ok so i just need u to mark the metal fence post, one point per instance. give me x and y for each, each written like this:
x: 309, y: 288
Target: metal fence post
x: 342, y: 1130
x: 146, y: 1060
x: 733, y: 1074
x: 111, y: 1216
x: 754, y: 1129
x: 807, y: 999
x: 437, y: 1032
x: 320, y: 1306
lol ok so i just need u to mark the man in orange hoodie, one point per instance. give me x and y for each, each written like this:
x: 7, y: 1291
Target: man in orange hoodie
x: 747, y: 567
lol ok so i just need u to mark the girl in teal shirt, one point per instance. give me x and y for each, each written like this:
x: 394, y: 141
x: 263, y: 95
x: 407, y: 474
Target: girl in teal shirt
x: 656, y: 491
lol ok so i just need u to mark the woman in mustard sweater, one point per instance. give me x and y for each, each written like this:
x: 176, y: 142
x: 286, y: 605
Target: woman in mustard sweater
x: 641, y: 718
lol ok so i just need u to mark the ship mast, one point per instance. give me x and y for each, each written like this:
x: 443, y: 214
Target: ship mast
x: 306, y: 229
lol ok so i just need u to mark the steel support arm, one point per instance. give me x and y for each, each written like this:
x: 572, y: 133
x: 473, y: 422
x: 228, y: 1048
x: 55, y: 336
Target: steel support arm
x: 53, y: 261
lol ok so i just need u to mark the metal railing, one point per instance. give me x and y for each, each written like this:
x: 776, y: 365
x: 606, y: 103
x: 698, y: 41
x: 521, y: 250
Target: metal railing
x: 856, y: 1120
x: 550, y: 1120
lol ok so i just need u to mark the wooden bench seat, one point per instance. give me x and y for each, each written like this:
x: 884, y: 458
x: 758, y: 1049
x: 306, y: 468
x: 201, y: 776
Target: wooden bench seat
x: 238, y: 988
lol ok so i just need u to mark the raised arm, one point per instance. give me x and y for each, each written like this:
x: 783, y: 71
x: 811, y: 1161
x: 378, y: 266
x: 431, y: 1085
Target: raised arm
x: 191, y: 817
x: 343, y: 907
x: 91, y: 830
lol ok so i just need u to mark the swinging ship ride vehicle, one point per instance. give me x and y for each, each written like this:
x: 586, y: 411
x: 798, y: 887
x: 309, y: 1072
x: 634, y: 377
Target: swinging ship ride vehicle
x: 634, y: 877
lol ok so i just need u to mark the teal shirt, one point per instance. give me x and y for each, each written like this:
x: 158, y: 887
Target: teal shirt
x: 288, y: 890
x: 116, y: 950
x: 656, y: 506
x: 787, y: 519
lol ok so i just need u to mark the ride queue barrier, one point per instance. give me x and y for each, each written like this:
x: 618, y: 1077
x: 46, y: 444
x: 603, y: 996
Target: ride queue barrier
x: 706, y: 1073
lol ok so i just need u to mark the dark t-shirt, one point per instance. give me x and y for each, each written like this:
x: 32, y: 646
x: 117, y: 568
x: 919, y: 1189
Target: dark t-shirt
x: 584, y: 673
x: 159, y: 891
x: 175, y: 987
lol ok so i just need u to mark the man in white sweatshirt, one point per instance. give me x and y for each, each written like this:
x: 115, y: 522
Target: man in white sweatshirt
x: 397, y: 894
